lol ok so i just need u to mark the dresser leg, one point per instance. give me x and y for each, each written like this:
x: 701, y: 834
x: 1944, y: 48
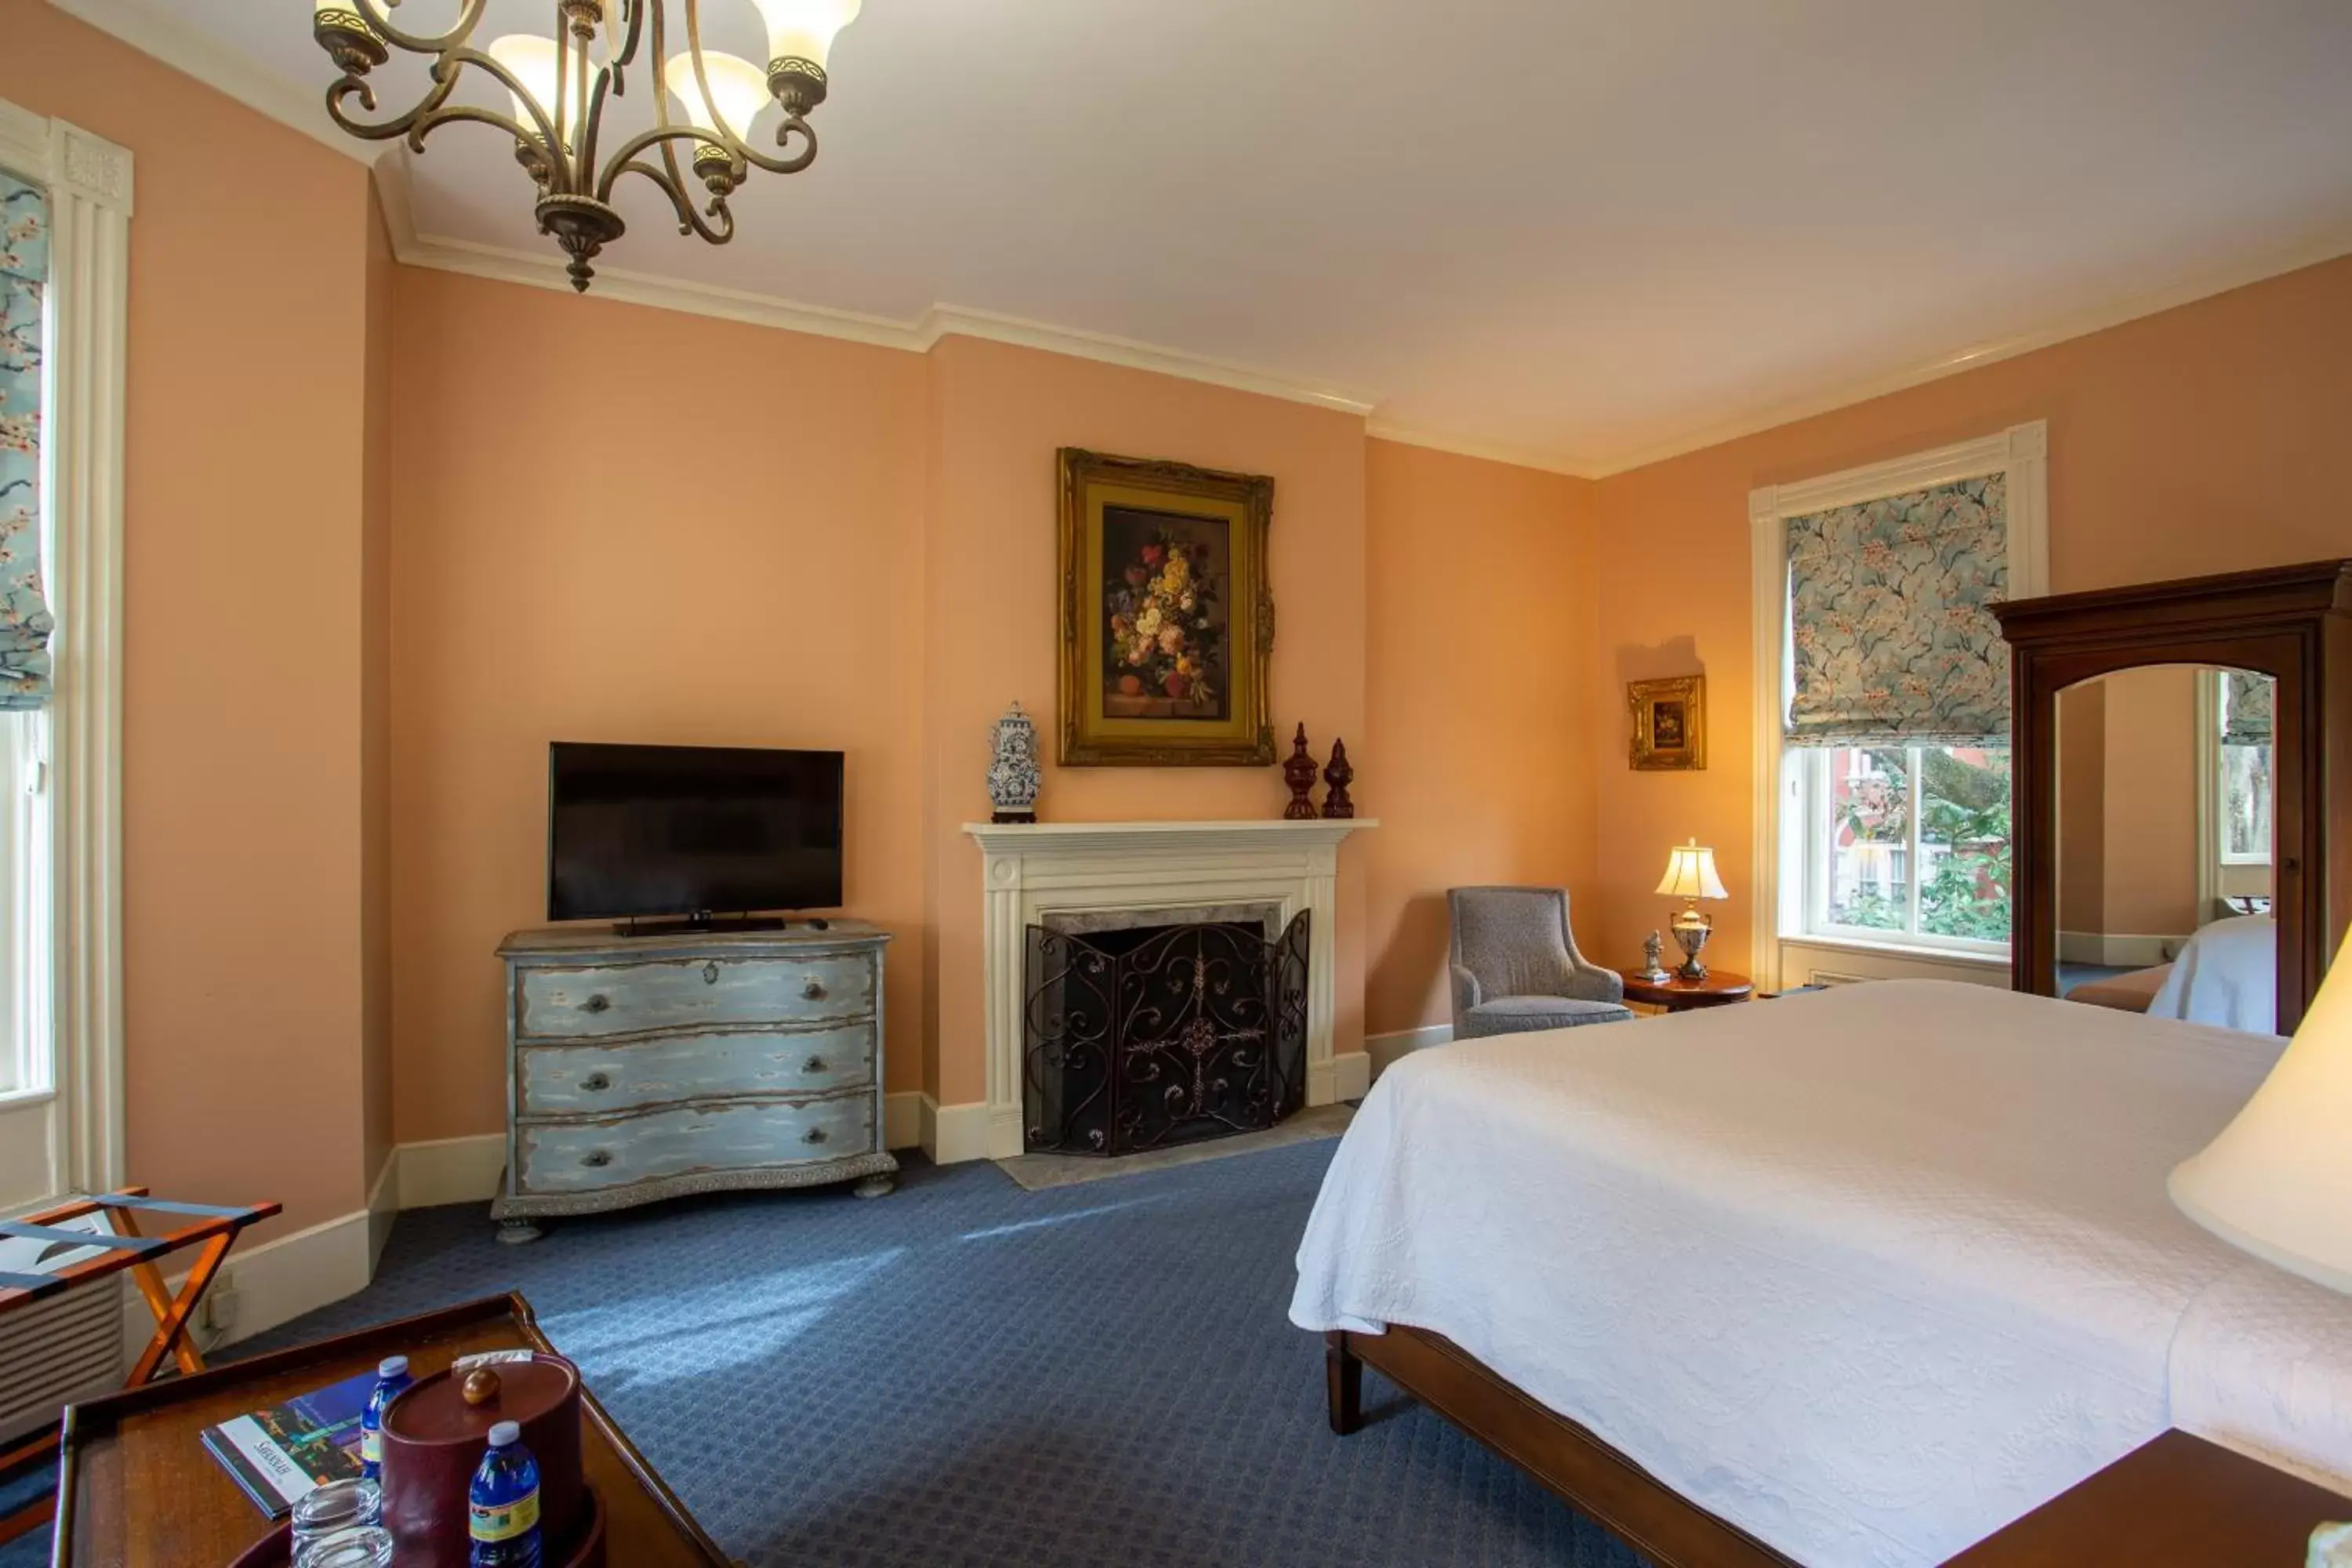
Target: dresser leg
x: 876, y: 1187
x: 515, y: 1232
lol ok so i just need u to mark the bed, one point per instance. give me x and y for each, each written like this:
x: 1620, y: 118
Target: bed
x: 2226, y: 975
x: 1848, y: 1279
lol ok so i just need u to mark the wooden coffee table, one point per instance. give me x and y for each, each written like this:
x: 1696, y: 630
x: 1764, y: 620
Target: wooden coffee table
x: 1719, y: 989
x: 136, y: 1487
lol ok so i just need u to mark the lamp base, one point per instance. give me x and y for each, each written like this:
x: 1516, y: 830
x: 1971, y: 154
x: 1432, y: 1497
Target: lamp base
x: 1691, y: 930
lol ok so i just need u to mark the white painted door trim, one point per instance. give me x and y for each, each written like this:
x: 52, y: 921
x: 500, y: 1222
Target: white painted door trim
x: 88, y: 181
x: 1031, y: 868
x: 2021, y: 453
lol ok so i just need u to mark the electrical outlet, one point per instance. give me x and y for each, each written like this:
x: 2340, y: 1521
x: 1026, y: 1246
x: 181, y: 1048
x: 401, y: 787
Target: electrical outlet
x: 219, y: 1312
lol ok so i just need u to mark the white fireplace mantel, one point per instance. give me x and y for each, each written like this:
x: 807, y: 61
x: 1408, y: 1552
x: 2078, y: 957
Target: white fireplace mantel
x: 1033, y: 869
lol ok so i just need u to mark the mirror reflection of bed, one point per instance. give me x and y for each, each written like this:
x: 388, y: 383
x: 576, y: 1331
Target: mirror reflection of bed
x: 2166, y: 844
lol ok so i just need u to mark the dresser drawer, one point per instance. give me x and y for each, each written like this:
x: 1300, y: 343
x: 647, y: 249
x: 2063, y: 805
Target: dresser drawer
x: 599, y: 1080
x: 557, y: 1157
x: 629, y: 998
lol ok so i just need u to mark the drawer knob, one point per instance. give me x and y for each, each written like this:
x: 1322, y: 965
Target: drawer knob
x: 595, y: 1082
x: 815, y: 1135
x: 814, y: 1064
x: 710, y: 973
x: 596, y: 1157
x: 599, y: 1002
x: 812, y: 990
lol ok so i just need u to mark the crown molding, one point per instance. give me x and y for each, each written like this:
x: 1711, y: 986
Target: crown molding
x: 154, y: 29
x: 1517, y: 457
x: 2322, y: 245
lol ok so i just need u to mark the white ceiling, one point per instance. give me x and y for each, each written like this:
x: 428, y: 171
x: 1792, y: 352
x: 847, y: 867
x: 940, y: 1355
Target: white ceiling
x: 1593, y: 230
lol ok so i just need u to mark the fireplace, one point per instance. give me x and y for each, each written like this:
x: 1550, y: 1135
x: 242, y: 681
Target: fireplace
x: 1152, y: 1030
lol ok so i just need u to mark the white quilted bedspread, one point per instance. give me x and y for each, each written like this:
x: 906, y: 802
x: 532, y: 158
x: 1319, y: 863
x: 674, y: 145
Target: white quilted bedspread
x: 1868, y: 1273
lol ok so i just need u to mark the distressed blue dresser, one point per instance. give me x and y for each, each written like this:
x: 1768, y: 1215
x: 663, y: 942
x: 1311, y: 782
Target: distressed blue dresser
x: 648, y: 1068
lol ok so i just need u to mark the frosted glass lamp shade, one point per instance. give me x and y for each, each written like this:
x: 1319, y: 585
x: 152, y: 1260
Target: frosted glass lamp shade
x: 2278, y: 1180
x: 536, y: 64
x: 1690, y: 873
x: 739, y: 87
x: 803, y: 29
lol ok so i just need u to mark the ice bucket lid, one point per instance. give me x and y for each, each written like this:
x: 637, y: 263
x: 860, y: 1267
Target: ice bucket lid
x: 437, y: 1409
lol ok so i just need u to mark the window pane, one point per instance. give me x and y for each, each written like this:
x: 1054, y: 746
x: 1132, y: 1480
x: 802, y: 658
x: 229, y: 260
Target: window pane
x: 1964, y: 842
x: 1869, y: 799
x: 2246, y: 824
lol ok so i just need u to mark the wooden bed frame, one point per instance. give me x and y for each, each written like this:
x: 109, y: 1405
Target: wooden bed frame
x: 1596, y: 1479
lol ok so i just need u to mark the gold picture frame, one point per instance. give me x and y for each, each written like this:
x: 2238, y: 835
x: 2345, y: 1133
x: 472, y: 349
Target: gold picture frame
x: 1166, y: 615
x: 1669, y: 724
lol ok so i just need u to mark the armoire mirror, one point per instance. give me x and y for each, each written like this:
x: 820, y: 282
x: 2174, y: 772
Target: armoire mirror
x: 2153, y: 643
x: 2165, y: 849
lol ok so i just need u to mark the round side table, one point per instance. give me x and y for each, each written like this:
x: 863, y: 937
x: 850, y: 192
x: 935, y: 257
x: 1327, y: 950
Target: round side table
x: 1719, y: 989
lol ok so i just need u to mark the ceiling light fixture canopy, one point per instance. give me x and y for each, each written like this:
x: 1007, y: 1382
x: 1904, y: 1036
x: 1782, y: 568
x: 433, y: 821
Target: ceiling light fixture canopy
x: 561, y: 87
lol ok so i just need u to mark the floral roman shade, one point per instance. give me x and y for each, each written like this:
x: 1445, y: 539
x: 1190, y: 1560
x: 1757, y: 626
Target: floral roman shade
x: 1890, y: 638
x: 2250, y: 696
x: 24, y: 614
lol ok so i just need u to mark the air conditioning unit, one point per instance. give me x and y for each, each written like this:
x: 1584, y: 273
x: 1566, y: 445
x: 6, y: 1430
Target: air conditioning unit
x: 58, y: 1352
x: 1830, y: 977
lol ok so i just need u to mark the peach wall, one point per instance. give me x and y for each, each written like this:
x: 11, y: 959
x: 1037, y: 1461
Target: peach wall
x: 722, y: 547
x: 375, y: 704
x: 998, y: 413
x: 2204, y: 439
x: 2150, y: 821
x: 1483, y: 608
x: 2083, y: 807
x: 241, y: 740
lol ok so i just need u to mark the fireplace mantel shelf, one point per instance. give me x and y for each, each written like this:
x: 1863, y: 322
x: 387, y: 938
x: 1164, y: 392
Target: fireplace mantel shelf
x: 1034, y: 870
x: 1029, y: 838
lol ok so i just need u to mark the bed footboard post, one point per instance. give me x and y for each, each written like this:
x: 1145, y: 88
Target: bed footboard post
x: 1343, y: 1377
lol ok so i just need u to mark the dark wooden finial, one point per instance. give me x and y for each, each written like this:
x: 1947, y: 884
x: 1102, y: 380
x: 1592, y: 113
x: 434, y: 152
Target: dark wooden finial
x: 1337, y: 773
x: 480, y: 1388
x: 1299, y: 772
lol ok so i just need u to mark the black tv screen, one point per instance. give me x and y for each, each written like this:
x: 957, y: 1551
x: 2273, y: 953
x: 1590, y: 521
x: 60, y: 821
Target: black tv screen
x: 690, y: 830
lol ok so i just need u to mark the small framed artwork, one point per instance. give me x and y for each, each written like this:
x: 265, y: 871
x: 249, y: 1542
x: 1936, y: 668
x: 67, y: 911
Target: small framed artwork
x: 1669, y: 722
x: 1167, y: 617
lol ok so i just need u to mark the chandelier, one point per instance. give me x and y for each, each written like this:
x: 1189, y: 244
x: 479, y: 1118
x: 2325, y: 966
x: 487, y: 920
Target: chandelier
x: 561, y: 88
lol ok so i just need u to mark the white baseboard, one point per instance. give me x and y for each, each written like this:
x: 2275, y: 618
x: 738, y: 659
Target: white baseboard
x: 261, y: 1287
x: 1384, y: 1051
x: 954, y: 1133
x: 452, y: 1169
x: 1351, y: 1075
x: 383, y: 1208
x: 902, y: 1120
x: 2118, y: 950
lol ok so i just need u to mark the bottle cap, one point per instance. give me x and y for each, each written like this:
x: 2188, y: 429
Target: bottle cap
x: 504, y: 1432
x: 392, y: 1366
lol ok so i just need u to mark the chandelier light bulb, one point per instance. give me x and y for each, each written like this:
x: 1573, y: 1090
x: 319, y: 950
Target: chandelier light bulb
x: 537, y: 65
x: 805, y: 30
x: 739, y: 90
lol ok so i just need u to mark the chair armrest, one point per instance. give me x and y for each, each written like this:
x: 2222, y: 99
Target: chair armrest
x: 1467, y: 993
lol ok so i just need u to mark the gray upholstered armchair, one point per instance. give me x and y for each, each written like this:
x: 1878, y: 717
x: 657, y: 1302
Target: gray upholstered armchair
x: 1516, y: 965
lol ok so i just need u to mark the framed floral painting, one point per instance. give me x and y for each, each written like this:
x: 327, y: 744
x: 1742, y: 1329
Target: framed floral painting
x: 1167, y: 618
x: 1669, y: 722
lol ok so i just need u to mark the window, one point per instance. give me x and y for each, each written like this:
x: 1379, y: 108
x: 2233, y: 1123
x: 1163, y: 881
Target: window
x: 2243, y: 790
x: 1908, y: 843
x: 27, y: 1048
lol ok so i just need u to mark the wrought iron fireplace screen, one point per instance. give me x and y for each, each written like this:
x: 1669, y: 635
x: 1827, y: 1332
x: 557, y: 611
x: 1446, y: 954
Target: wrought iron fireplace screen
x: 1164, y: 1035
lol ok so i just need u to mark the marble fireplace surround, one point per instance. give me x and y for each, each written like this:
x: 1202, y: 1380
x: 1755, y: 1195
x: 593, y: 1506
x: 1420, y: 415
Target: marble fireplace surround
x: 1105, y: 875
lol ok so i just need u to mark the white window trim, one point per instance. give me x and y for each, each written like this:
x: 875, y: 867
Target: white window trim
x: 88, y: 181
x: 2216, y: 871
x: 2021, y: 454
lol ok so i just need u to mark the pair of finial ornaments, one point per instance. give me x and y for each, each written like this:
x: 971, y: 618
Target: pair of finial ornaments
x: 1299, y: 772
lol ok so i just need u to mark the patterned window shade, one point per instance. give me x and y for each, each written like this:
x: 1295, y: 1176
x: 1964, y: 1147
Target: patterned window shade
x: 1890, y: 638
x: 24, y: 614
x: 2250, y: 698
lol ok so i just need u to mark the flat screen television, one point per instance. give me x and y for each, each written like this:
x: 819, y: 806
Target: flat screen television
x: 695, y: 831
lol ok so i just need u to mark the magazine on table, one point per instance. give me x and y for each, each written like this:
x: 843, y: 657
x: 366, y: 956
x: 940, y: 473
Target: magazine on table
x: 279, y: 1454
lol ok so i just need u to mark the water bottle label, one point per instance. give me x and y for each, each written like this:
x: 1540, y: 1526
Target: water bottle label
x: 504, y: 1520
x: 370, y: 1446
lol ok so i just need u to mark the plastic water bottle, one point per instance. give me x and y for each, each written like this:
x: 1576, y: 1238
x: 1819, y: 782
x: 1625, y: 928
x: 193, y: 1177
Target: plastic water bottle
x: 391, y: 1377
x: 503, y: 1510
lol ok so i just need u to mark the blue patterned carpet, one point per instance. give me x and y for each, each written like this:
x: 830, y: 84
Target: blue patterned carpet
x: 966, y: 1375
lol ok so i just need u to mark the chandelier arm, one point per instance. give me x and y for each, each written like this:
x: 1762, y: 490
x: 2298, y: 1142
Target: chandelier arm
x: 451, y: 62
x: 673, y: 186
x: 787, y: 165
x: 622, y: 161
x: 417, y: 43
x: 742, y: 151
x: 383, y: 131
x: 474, y: 112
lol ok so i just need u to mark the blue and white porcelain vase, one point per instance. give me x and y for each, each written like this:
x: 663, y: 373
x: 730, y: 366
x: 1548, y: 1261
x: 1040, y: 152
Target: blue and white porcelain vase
x: 1012, y: 775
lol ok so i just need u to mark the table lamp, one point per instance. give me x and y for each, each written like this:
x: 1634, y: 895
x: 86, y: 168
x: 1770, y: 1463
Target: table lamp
x: 2277, y: 1182
x: 1690, y: 876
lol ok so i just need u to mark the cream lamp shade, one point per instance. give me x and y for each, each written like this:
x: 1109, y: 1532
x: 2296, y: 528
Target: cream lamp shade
x: 1690, y: 873
x: 803, y: 29
x: 2278, y: 1180
x: 537, y: 65
x: 738, y: 87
